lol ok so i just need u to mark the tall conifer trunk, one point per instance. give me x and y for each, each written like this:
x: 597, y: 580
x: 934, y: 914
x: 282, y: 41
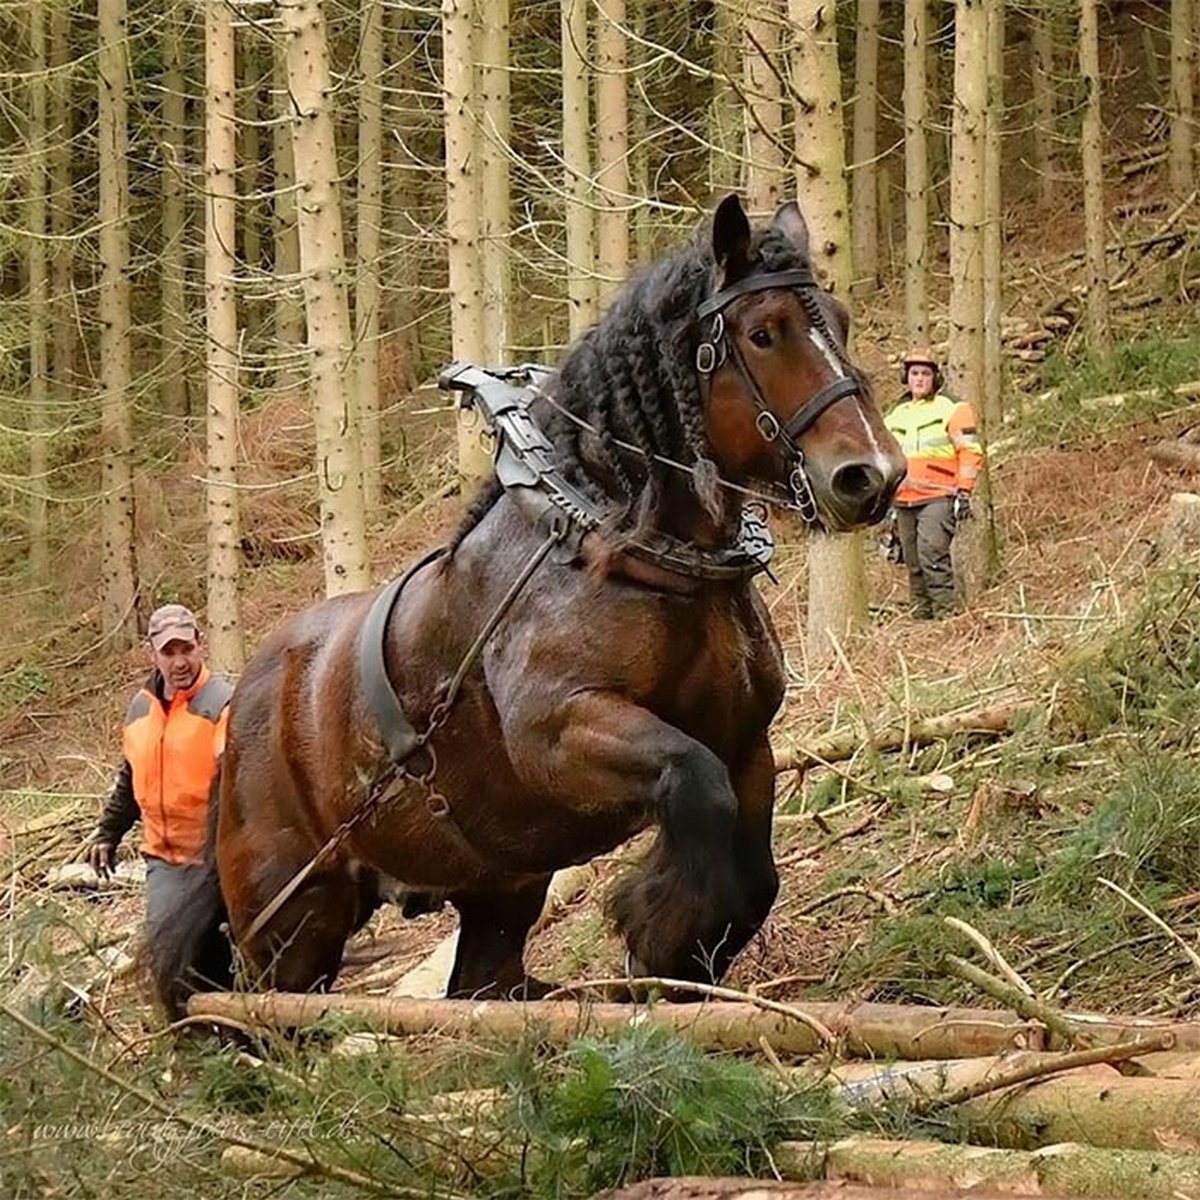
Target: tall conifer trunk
x: 1092, y: 153
x: 916, y: 172
x: 39, y: 315
x: 225, y: 645
x: 495, y: 185
x: 612, y: 149
x: 762, y: 20
x: 118, y: 571
x: 864, y: 179
x: 172, y: 318
x: 579, y: 217
x: 323, y: 266
x: 367, y: 244
x: 837, y: 590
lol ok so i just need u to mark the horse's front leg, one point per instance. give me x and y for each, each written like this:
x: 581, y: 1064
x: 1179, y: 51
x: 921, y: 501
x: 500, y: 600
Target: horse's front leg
x: 685, y: 910
x: 753, y: 856
x: 493, y: 926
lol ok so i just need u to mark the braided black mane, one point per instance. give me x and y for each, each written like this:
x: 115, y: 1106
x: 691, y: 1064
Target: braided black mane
x: 632, y: 378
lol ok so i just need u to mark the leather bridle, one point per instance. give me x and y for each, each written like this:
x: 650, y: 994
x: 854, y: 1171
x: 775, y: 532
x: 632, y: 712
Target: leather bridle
x: 718, y: 347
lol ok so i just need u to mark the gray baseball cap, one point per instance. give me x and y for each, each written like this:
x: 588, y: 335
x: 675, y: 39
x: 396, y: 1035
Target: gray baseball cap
x: 170, y: 623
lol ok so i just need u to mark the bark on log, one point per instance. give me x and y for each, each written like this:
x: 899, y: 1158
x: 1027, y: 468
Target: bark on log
x: 876, y: 1030
x: 836, y: 747
x: 1067, y: 1169
x: 691, y: 1188
x: 1093, y: 1105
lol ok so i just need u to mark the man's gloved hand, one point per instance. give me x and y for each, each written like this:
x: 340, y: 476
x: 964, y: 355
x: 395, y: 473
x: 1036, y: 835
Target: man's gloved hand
x: 101, y: 856
x: 961, y: 510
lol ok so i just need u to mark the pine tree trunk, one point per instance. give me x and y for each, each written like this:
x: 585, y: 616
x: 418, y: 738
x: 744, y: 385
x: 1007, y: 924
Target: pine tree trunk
x: 1099, y: 334
x: 402, y: 189
x: 580, y: 223
x: 837, y: 591
x: 612, y: 149
x: 496, y: 190
x: 762, y: 21
x: 724, y: 112
x: 967, y: 199
x: 367, y: 244
x: 864, y: 182
x: 225, y: 646
x: 916, y: 172
x: 323, y: 267
x: 464, y: 224
x: 39, y: 317
x: 288, y: 303
x: 642, y: 151
x: 1044, y: 24
x: 249, y: 174
x: 173, y: 331
x: 118, y: 572
x: 62, y: 311
x: 1183, y: 65
x: 992, y: 399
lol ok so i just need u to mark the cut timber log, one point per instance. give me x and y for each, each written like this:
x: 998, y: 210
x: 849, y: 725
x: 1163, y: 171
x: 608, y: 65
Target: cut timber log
x: 689, y: 1188
x: 1094, y: 1105
x: 1185, y: 391
x: 875, y: 1030
x: 837, y: 747
x: 1067, y: 1169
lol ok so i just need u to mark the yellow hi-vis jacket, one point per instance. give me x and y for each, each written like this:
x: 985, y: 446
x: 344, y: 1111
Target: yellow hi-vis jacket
x: 940, y: 439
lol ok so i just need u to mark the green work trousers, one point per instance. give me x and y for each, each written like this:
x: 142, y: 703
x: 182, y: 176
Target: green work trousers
x: 926, y: 531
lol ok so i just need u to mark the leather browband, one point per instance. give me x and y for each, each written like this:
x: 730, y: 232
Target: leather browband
x: 800, y: 277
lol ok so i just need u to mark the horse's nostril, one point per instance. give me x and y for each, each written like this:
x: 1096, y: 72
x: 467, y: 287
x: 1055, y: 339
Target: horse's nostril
x: 857, y: 482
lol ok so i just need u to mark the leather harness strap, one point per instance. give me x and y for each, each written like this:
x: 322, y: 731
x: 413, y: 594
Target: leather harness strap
x: 400, y: 739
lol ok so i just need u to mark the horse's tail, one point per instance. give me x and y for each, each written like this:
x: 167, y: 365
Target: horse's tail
x: 188, y: 947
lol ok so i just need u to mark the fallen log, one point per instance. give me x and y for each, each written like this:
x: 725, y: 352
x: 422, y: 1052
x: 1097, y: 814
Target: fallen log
x: 1066, y: 1169
x: 693, y: 1188
x: 837, y: 747
x: 892, y: 1030
x: 876, y: 1030
x: 1094, y: 1105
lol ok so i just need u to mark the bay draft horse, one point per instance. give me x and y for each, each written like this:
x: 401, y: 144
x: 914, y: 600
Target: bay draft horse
x: 629, y: 681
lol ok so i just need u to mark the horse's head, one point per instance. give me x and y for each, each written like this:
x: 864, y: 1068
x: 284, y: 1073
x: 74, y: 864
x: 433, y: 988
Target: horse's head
x: 784, y: 402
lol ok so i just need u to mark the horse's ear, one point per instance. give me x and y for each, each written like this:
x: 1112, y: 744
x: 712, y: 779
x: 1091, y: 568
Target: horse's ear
x: 731, y: 239
x: 789, y: 220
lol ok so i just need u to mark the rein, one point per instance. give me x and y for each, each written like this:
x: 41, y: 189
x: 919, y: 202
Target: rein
x: 719, y: 348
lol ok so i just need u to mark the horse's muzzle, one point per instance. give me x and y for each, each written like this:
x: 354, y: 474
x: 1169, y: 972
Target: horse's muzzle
x: 859, y: 493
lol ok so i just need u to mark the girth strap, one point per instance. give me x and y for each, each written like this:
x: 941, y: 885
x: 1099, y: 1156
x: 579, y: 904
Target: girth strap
x: 400, y: 739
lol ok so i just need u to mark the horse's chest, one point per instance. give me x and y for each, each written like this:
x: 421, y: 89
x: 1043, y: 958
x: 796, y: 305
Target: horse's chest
x: 729, y: 681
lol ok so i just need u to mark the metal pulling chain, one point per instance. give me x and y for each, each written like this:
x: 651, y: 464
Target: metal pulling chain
x: 439, y: 806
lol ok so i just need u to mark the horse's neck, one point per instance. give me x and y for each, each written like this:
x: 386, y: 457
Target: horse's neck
x: 685, y: 517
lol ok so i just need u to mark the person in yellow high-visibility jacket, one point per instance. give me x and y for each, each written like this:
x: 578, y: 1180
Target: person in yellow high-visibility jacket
x: 940, y: 439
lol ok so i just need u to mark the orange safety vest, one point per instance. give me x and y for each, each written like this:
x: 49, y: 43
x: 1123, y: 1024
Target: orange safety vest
x: 172, y: 749
x: 940, y: 439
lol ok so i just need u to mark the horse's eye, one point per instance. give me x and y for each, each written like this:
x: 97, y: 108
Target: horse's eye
x: 761, y: 338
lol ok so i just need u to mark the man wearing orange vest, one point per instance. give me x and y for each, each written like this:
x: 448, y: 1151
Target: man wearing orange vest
x: 939, y: 437
x: 172, y: 740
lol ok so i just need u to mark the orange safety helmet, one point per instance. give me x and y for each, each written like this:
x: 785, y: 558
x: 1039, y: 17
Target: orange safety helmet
x: 921, y: 356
